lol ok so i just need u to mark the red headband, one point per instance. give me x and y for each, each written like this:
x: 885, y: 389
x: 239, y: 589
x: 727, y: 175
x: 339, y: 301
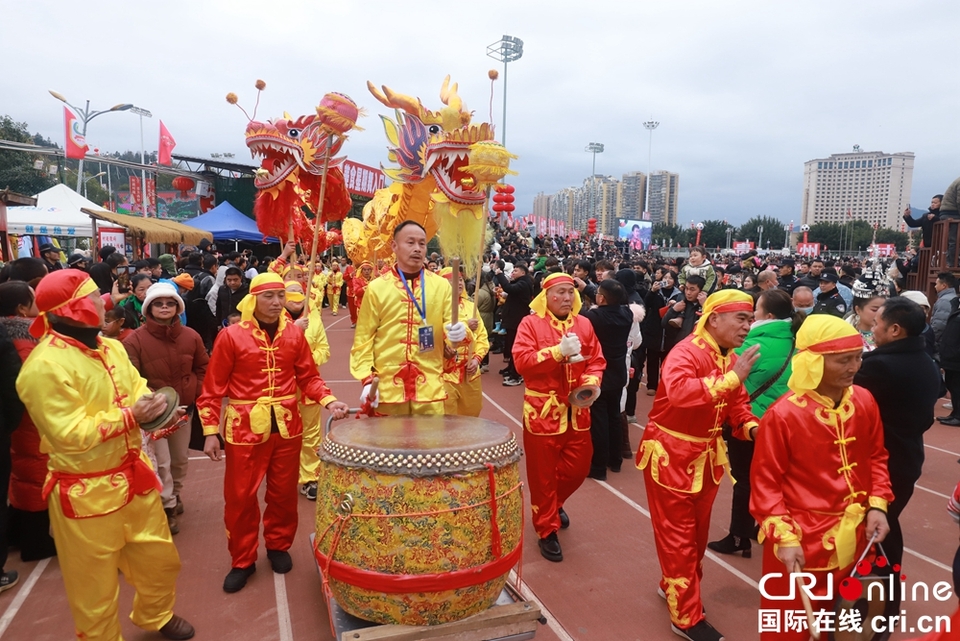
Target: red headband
x: 557, y: 279
x: 734, y: 306
x: 838, y: 345
x: 267, y: 286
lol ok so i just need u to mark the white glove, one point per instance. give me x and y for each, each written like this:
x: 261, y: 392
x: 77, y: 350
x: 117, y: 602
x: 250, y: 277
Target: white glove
x: 570, y: 345
x: 366, y: 392
x: 456, y: 333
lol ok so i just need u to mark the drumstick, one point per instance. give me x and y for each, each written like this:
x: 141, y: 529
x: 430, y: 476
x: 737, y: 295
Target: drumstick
x: 814, y: 630
x: 374, y: 385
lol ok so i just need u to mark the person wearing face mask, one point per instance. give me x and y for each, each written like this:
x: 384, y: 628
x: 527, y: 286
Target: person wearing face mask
x: 803, y: 300
x: 663, y: 293
x: 774, y: 327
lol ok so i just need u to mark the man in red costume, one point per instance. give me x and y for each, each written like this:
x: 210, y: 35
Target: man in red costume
x: 819, y: 479
x: 556, y: 352
x: 349, y: 272
x: 683, y: 455
x: 357, y: 288
x: 258, y: 364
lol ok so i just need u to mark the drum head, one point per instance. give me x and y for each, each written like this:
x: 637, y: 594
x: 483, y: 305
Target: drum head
x: 420, y: 445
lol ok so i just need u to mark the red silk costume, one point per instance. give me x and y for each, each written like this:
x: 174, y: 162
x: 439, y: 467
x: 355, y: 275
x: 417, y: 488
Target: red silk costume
x: 683, y: 458
x: 348, y: 274
x: 260, y: 378
x: 816, y: 471
x: 556, y: 436
x: 355, y: 290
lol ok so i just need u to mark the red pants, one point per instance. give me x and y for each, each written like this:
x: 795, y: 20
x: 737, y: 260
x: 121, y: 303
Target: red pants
x: 681, y: 529
x: 556, y: 466
x: 352, y: 306
x: 279, y: 460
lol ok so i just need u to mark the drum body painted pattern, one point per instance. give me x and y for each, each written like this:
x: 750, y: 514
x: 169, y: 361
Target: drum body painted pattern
x: 419, y: 519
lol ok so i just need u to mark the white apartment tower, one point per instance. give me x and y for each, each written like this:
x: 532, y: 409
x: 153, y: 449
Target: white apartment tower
x: 860, y: 185
x: 664, y: 193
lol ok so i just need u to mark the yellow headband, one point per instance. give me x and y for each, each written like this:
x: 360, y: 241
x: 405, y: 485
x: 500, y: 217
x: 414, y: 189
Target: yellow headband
x: 267, y: 281
x: 820, y: 334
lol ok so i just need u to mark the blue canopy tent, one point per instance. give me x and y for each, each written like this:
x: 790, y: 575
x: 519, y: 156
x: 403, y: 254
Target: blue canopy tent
x: 226, y: 223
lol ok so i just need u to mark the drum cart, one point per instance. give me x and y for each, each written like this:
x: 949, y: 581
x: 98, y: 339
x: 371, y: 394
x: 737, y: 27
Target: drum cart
x: 510, y: 618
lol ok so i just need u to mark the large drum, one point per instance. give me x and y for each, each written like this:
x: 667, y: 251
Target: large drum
x: 419, y: 519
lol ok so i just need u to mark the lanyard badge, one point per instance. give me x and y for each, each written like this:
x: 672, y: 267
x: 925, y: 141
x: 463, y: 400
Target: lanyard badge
x: 425, y: 334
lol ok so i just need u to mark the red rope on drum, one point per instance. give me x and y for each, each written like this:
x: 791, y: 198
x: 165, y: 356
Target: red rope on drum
x: 496, y: 545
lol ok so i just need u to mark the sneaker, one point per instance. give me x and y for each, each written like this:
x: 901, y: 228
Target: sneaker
x: 8, y: 580
x: 484, y: 369
x: 947, y: 406
x: 177, y: 628
x: 179, y: 508
x: 280, y: 561
x: 237, y: 578
x: 504, y: 371
x: 353, y: 326
x: 309, y: 490
x: 564, y: 519
x: 944, y: 420
x: 702, y: 631
x: 512, y: 382
x: 550, y: 548
x: 172, y: 519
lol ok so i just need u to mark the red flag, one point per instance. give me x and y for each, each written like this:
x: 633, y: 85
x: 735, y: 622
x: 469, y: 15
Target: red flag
x: 75, y: 146
x: 167, y: 143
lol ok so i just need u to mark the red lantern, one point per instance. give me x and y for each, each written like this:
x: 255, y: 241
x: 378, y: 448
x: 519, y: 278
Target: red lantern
x: 499, y: 208
x: 509, y: 208
x: 499, y: 198
x: 592, y: 226
x: 183, y: 185
x: 509, y: 189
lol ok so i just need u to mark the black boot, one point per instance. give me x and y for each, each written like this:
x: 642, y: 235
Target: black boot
x: 731, y: 544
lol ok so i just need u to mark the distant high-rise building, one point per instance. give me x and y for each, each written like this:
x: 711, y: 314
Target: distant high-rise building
x: 664, y: 193
x: 633, y: 194
x: 860, y: 185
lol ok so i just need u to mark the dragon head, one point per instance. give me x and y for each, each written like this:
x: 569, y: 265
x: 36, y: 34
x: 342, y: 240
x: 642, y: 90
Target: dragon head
x: 287, y: 146
x: 437, y: 144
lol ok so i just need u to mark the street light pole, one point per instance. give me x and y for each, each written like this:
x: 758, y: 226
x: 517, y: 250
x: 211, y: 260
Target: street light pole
x: 760, y: 239
x: 649, y: 125
x: 506, y: 49
x: 85, y: 115
x: 593, y: 148
x: 143, y: 158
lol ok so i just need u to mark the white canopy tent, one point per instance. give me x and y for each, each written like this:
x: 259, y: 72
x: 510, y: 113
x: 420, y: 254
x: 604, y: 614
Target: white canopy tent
x: 57, y: 213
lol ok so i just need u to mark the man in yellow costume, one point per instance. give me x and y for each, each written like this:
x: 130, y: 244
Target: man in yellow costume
x: 88, y: 402
x: 461, y: 367
x: 334, y: 285
x: 402, y: 327
x: 819, y: 479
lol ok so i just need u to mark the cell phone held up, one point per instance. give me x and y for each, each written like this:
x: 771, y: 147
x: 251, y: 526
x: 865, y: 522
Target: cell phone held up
x: 124, y: 272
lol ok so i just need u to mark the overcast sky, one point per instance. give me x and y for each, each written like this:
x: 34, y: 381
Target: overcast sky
x: 745, y: 92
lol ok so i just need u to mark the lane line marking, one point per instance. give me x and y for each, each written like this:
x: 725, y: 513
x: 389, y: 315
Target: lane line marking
x: 22, y: 595
x: 710, y: 555
x: 283, y: 607
x: 325, y: 326
x: 552, y: 622
x: 924, y: 557
x: 934, y: 492
x: 940, y: 449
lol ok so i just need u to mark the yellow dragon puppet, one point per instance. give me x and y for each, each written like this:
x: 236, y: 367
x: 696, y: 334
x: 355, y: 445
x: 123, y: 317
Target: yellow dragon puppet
x: 446, y: 167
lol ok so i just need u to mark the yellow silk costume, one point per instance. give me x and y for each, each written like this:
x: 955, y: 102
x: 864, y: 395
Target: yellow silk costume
x: 310, y: 413
x: 464, y: 392
x: 105, y: 508
x: 334, y: 285
x: 386, y: 342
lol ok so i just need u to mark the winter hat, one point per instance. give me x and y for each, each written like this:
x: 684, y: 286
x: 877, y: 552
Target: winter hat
x: 162, y: 290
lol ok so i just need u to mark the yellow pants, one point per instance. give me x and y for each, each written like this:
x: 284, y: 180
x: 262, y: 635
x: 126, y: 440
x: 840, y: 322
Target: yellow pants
x: 334, y: 300
x: 135, y: 540
x: 463, y: 399
x: 312, y: 435
x: 410, y: 408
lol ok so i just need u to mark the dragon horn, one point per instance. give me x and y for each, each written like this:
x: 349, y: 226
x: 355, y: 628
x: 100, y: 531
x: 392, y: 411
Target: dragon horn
x: 449, y: 95
x: 395, y: 100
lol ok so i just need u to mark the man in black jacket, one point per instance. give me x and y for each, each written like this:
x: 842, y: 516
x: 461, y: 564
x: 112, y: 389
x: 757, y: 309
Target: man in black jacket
x: 905, y: 382
x: 611, y: 321
x: 926, y: 221
x: 519, y: 291
x: 682, y: 317
x: 949, y: 349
